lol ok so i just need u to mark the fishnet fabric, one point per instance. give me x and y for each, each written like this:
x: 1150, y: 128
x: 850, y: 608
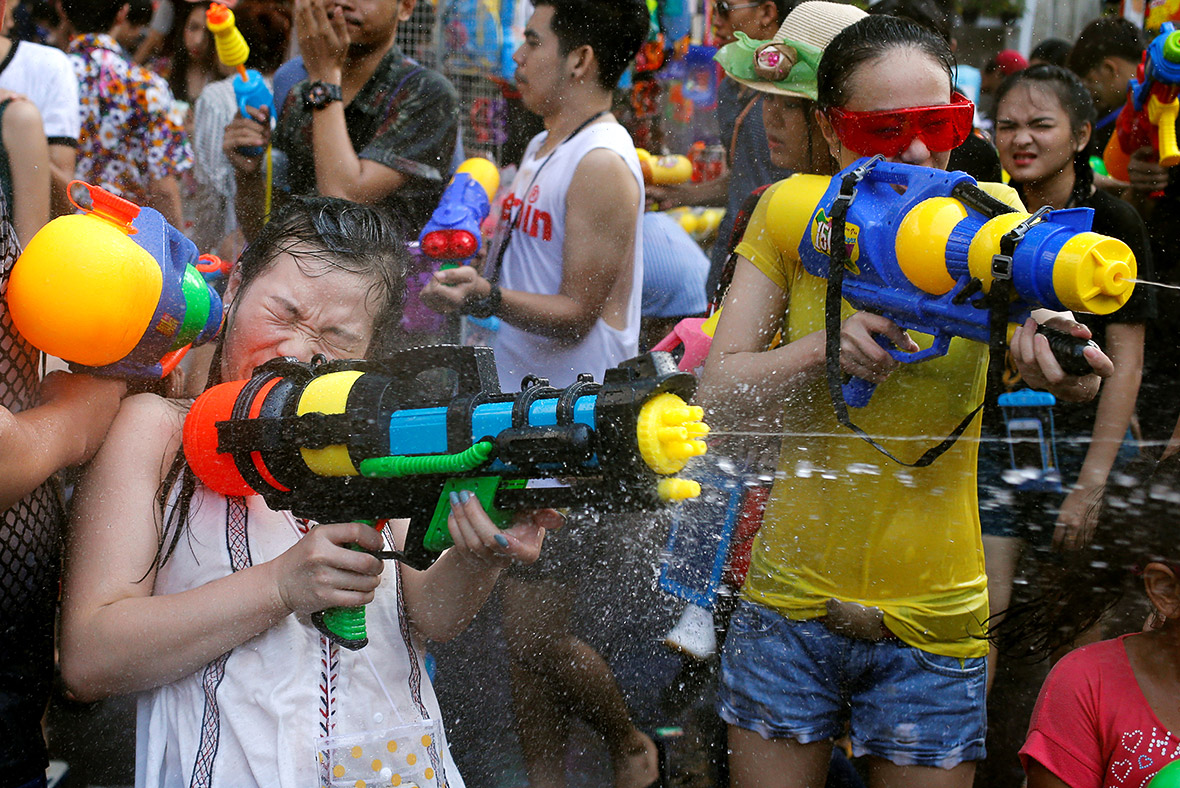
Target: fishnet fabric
x: 30, y: 538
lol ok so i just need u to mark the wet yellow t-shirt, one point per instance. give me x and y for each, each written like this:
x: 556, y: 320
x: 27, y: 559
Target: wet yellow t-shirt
x: 844, y: 521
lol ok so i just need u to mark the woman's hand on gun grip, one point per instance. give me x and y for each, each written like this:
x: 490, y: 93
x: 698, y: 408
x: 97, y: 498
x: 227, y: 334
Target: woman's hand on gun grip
x: 478, y: 539
x: 321, y: 571
x: 860, y: 354
x: 1039, y: 368
x: 1145, y: 171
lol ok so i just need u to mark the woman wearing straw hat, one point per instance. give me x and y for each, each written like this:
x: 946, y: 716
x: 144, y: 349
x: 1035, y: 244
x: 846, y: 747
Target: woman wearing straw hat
x: 866, y: 595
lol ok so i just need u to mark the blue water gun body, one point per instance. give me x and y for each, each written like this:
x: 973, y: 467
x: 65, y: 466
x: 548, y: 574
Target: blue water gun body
x: 452, y: 235
x: 924, y: 248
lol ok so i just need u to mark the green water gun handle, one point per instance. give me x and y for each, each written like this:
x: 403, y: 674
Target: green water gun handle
x: 345, y: 625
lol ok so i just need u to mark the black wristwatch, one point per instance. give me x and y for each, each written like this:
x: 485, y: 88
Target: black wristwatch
x: 318, y: 95
x: 484, y: 307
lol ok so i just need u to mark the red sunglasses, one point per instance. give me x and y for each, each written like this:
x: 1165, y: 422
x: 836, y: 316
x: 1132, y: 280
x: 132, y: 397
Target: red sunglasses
x: 941, y: 127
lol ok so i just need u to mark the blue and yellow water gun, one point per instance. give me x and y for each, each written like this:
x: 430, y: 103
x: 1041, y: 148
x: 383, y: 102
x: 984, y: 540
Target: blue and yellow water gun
x: 115, y: 289
x: 925, y: 247
x: 250, y: 89
x: 369, y: 441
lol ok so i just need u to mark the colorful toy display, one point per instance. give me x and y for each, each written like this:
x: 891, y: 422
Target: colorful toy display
x: 115, y: 289
x: 1149, y: 116
x: 453, y: 233
x: 368, y: 440
x: 250, y: 89
x: 927, y: 255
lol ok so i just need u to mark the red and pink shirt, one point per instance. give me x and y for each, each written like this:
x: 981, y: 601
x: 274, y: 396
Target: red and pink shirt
x: 1093, y: 728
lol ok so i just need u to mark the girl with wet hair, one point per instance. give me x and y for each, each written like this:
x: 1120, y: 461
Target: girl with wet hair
x: 1107, y: 714
x: 202, y: 603
x: 1044, y: 119
x: 866, y: 596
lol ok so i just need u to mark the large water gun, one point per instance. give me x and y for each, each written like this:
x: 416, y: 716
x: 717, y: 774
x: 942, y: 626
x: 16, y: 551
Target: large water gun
x: 115, y: 289
x: 1149, y: 116
x: 371, y: 440
x: 452, y: 235
x: 250, y: 89
x: 925, y: 247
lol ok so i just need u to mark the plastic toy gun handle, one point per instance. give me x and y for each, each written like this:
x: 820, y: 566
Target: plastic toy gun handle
x: 1169, y: 152
x: 345, y: 625
x: 1068, y: 350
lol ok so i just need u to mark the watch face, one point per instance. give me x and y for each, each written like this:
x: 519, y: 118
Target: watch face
x: 320, y: 95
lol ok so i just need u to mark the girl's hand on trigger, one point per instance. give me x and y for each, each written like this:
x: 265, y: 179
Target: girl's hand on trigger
x: 321, y: 571
x: 478, y: 539
x: 860, y: 353
x: 1039, y: 368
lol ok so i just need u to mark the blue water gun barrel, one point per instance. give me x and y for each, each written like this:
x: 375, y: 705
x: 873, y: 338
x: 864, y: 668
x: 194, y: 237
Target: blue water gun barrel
x: 921, y: 245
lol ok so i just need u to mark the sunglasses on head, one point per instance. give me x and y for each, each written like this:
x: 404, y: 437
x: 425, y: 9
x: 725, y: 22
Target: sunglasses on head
x: 722, y: 7
x: 941, y: 127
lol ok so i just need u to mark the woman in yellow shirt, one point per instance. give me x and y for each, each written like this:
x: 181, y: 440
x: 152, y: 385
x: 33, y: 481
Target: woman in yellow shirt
x: 866, y: 595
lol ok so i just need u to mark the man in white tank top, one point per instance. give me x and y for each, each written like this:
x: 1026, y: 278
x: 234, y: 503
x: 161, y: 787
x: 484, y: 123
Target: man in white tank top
x: 564, y: 276
x: 565, y: 271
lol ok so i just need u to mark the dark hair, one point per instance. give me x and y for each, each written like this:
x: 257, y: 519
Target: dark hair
x: 869, y: 39
x: 1054, y: 51
x: 927, y: 13
x: 321, y: 233
x: 92, y: 16
x: 181, y: 59
x: 1078, y: 104
x: 266, y: 26
x: 139, y: 12
x: 1110, y: 36
x: 1138, y: 523
x: 614, y: 29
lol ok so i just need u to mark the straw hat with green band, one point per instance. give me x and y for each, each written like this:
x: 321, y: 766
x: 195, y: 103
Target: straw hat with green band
x: 786, y: 64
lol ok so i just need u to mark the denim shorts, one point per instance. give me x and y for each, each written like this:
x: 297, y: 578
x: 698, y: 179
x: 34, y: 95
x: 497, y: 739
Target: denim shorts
x: 790, y: 679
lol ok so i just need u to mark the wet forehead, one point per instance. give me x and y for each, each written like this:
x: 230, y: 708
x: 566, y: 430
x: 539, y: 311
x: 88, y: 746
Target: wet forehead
x: 897, y: 79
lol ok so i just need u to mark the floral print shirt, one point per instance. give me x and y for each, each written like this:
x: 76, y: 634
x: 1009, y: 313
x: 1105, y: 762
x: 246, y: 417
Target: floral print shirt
x: 132, y: 134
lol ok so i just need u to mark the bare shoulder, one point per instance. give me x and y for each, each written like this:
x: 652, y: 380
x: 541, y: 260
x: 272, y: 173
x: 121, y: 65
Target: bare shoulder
x: 604, y: 163
x: 603, y: 183
x: 146, y: 432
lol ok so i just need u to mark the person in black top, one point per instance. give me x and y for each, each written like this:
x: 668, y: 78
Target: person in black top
x: 1044, y: 120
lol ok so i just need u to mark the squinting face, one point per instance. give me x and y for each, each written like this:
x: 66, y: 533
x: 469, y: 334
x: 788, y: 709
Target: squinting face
x: 1033, y: 135
x: 794, y: 143
x: 297, y: 308
x: 898, y: 79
